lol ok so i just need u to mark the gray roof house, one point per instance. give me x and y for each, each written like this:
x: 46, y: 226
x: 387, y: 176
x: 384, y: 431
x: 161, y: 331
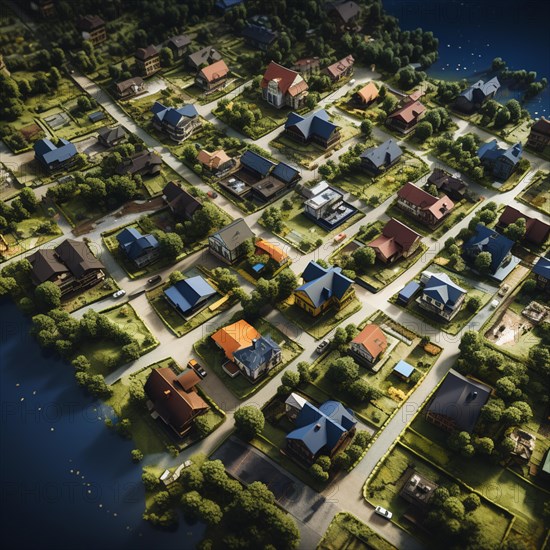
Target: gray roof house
x: 442, y: 296
x: 228, y: 243
x: 381, y: 157
x: 475, y: 96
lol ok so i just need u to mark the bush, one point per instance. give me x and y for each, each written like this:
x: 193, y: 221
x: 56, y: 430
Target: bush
x: 137, y: 455
x: 249, y: 421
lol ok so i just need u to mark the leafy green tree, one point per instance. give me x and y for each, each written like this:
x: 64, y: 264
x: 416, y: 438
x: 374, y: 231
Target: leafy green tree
x: 287, y: 283
x: 166, y: 57
x: 170, y: 244
x: 483, y: 262
x: 47, y: 295
x: 137, y: 455
x: 424, y: 130
x: 290, y: 379
x: 304, y: 372
x: 474, y: 303
x: 343, y: 372
x: 492, y: 411
x: 516, y: 231
x: 318, y: 473
x: 471, y: 502
x: 249, y: 421
x: 514, y: 108
x: 366, y: 128
x: 364, y: 257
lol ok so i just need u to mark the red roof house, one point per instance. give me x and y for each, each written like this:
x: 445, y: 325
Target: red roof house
x: 422, y: 206
x: 369, y: 344
x: 397, y: 240
x: 406, y: 117
x: 283, y: 87
x: 536, y: 231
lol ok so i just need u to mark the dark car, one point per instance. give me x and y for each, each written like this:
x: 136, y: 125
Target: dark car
x: 212, y: 194
x: 155, y: 279
x: 197, y: 368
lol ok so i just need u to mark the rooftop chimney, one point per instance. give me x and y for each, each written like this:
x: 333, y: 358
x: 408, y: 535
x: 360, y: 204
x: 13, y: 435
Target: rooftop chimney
x: 317, y: 427
x: 474, y: 395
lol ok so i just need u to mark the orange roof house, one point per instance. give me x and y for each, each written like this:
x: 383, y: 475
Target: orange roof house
x: 234, y: 337
x: 273, y: 251
x: 340, y: 69
x: 369, y: 344
x: 218, y: 160
x: 212, y: 76
x: 367, y: 94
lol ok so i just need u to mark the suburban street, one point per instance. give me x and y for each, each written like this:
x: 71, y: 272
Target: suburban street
x: 346, y: 492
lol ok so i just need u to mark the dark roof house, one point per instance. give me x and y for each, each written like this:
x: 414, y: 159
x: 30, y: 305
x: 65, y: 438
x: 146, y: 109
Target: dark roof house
x: 204, y: 56
x: 179, y: 123
x: 475, y: 96
x: 452, y: 186
x: 539, y: 135
x: 259, y: 36
x: 109, y: 137
x: 228, y: 243
x: 178, y: 44
x: 344, y: 13
x: 141, y: 249
x: 381, y: 157
x: 187, y: 295
x: 225, y: 5
x: 180, y: 202
x: 406, y: 117
x: 256, y: 164
x: 142, y: 162
x: 442, y: 296
x: 396, y: 240
x: 422, y: 206
x: 315, y: 127
x: 541, y: 270
x: 536, y: 231
x: 500, y: 162
x: 55, y: 157
x: 129, y: 88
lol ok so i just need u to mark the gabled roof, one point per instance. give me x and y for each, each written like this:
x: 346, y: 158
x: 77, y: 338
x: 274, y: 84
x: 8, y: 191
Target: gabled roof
x: 204, y: 55
x: 315, y: 124
x: 111, y: 135
x: 369, y: 92
x: 179, y: 200
x: 48, y: 153
x: 260, y: 34
x: 487, y: 240
x: 134, y: 243
x: 372, y: 339
x: 485, y: 88
x: 226, y: 4
x: 171, y: 116
x: 321, y: 284
x: 90, y: 22
x: 460, y: 399
x: 408, y: 112
x: 234, y: 234
x: 442, y: 179
x: 440, y: 287
x: 285, y: 173
x: 341, y: 66
x: 213, y: 160
x: 136, y: 81
x: 542, y: 268
x: 536, y: 230
x: 438, y: 207
x: 382, y: 154
x: 491, y: 151
x: 46, y: 264
x: 187, y: 293
x: 346, y: 10
x: 295, y: 400
x: 260, y: 352
x: 236, y: 336
x: 272, y: 250
x: 396, y: 237
x: 77, y: 257
x: 179, y: 41
x: 256, y: 162
x: 188, y: 379
x: 138, y: 162
x: 541, y: 126
x: 215, y: 71
x: 288, y: 81
x: 146, y: 53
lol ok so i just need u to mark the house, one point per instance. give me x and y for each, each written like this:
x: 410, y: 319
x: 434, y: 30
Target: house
x: 212, y: 76
x: 418, y: 490
x: 204, y: 56
x: 147, y: 60
x: 323, y: 202
x: 177, y: 124
x: 140, y: 249
x: 539, y: 136
x: 381, y: 157
x: 475, y: 96
x: 524, y: 445
x: 442, y: 296
x: 217, y: 161
x: 397, y: 240
x: 255, y: 164
x: 71, y: 266
x: 189, y: 295
x: 345, y: 15
x: 369, y: 345
x: 408, y: 292
x: 457, y: 403
x: 283, y: 87
x: 144, y: 163
x: 224, y: 5
x: 170, y: 402
x: 259, y: 36
x: 406, y: 117
x: 323, y: 288
x: 499, y: 246
x: 285, y: 173
x: 307, y: 66
x: 293, y: 405
x: 403, y: 370
x: 498, y: 161
x: 315, y: 128
x: 366, y: 96
x: 228, y: 243
x: 179, y: 45
x: 130, y: 88
x: 320, y: 431
x: 255, y: 355
x: 182, y: 204
x: 452, y: 186
x: 109, y: 137
x: 422, y: 206
x: 541, y: 271
x: 93, y: 29
x: 340, y: 69
x: 536, y: 231
x: 276, y: 255
x: 55, y: 157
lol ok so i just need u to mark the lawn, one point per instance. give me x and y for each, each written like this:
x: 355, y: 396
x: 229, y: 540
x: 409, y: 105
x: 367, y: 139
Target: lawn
x: 91, y: 295
x: 347, y: 532
x: 214, y: 357
x: 537, y: 194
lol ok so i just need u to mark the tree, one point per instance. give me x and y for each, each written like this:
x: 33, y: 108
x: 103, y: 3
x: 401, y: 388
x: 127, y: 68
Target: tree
x: 506, y: 387
x: 343, y: 372
x: 28, y: 199
x: 471, y: 502
x: 287, y: 282
x: 525, y: 410
x: 360, y: 390
x: 171, y: 245
x: 130, y: 352
x: 492, y: 411
x: 249, y: 421
x: 453, y: 507
x: 364, y: 257
x: 424, y: 130
x: 136, y: 391
x: 48, y: 296
x: 166, y: 57
x: 318, y: 473
x: 512, y: 415
x: 514, y: 108
x: 304, y: 372
x: 474, y: 303
x: 7, y: 285
x: 366, y: 128
x: 290, y: 379
x: 502, y: 118
x: 516, y: 230
x: 81, y: 363
x: 483, y: 262
x: 225, y: 280
x: 150, y: 480
x: 484, y: 445
x: 137, y: 455
x: 197, y: 507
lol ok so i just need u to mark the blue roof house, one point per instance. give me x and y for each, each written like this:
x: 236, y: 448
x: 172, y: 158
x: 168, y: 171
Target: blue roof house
x: 322, y: 289
x: 259, y: 358
x: 286, y: 174
x: 140, y: 249
x: 188, y: 295
x: 475, y: 96
x: 316, y: 128
x: 403, y: 370
x: 500, y: 162
x: 320, y: 431
x: 256, y: 164
x: 178, y: 124
x: 55, y: 157
x: 259, y: 36
x: 541, y: 270
x: 442, y: 296
x: 224, y: 5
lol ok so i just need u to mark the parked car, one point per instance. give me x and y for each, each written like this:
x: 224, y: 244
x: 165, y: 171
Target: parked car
x: 212, y: 194
x: 322, y: 346
x: 494, y: 304
x: 199, y: 369
x: 503, y: 290
x: 119, y: 293
x: 340, y: 237
x: 154, y: 279
x: 383, y: 512
x: 351, y: 82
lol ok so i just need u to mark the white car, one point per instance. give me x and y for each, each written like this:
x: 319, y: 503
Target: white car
x: 119, y: 293
x: 383, y: 512
x: 321, y: 347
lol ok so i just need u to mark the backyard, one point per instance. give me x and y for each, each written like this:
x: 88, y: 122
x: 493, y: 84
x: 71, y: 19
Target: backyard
x: 537, y: 194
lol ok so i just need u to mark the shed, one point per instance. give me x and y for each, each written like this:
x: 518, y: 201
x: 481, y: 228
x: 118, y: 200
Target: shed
x: 408, y: 292
x: 98, y: 115
x: 403, y: 370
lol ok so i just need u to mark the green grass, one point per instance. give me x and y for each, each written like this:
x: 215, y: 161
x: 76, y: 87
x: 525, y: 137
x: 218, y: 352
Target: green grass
x: 537, y: 194
x: 347, y: 532
x: 94, y: 294
x: 214, y: 357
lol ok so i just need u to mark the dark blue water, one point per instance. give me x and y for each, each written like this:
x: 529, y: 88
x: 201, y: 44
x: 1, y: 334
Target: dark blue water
x: 472, y: 33
x: 66, y: 481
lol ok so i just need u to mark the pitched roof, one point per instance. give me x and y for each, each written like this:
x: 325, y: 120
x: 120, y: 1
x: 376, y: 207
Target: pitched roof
x: 213, y: 160
x: 274, y: 252
x: 438, y: 207
x: 485, y: 88
x: 491, y: 151
x: 204, y: 55
x: 111, y: 135
x: 134, y: 243
x: 403, y: 368
x: 46, y: 264
x: 171, y: 116
x: 259, y: 33
x: 460, y: 399
x: 542, y: 126
x: 369, y: 92
x: 188, y: 379
x: 48, y: 153
x: 321, y: 284
x: 215, y: 71
x: 136, y: 81
x: 307, y: 62
x: 542, y: 268
x: 536, y: 230
x: 382, y: 154
x: 236, y: 336
x: 176, y: 406
x: 396, y: 237
x: 256, y: 162
x: 346, y: 10
x: 179, y: 41
x: 146, y: 53
x: 285, y: 173
x: 372, y: 339
x: 90, y: 22
x: 187, y: 293
x: 315, y: 124
x: 234, y: 234
x: 260, y: 352
x: 442, y: 179
x: 288, y: 81
x: 487, y: 240
x: 138, y: 162
x: 408, y: 112
x: 226, y: 4
x: 341, y: 66
x: 77, y: 257
x: 440, y: 287
x: 296, y: 400
x: 179, y: 200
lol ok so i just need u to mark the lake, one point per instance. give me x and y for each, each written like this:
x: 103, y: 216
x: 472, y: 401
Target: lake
x: 472, y: 33
x: 66, y: 481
